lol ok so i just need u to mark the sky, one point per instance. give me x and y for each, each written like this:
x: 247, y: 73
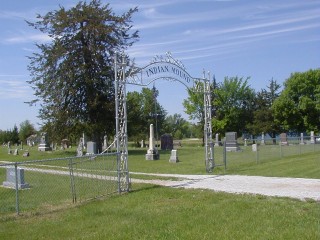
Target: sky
x: 263, y: 40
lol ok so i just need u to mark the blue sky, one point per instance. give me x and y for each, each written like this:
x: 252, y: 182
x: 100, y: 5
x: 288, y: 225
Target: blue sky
x: 258, y: 39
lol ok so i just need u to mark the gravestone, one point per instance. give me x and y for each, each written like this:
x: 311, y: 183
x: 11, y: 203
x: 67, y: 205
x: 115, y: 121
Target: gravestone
x: 92, y: 148
x: 312, y: 141
x: 105, y: 142
x: 301, y: 139
x: 174, y: 156
x: 11, y: 178
x: 283, y: 139
x: 80, y: 148
x: 245, y: 142
x: 231, y: 142
x: 216, y: 144
x: 262, y: 139
x: 152, y: 153
x: 142, y: 143
x: 166, y: 142
x: 44, y: 145
x: 16, y: 152
x: 254, y: 147
x: 26, y: 154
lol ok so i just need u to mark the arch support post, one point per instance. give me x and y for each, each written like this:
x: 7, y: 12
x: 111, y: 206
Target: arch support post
x: 209, y: 157
x: 121, y: 124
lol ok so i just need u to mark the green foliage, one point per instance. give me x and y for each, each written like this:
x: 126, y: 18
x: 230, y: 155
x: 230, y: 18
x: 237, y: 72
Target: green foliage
x: 233, y: 103
x: 72, y: 76
x: 26, y: 129
x: 11, y: 136
x: 177, y: 126
x: 143, y: 109
x: 263, y: 118
x: 298, y: 106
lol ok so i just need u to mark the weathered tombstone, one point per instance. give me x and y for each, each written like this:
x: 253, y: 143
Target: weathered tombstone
x: 65, y: 143
x: 245, y: 142
x: 312, y: 141
x: 26, y: 154
x: 44, y: 145
x: 16, y: 152
x: 105, y: 142
x: 174, y: 156
x: 216, y: 144
x: 301, y: 139
x: 231, y: 142
x: 21, y: 145
x: 11, y: 178
x: 92, y: 148
x: 142, y: 143
x: 254, y: 147
x: 283, y: 139
x: 80, y: 148
x: 166, y: 142
x: 152, y: 153
x: 262, y: 139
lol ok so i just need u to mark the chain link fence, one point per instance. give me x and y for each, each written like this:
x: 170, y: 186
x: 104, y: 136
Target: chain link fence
x: 258, y: 151
x: 42, y: 185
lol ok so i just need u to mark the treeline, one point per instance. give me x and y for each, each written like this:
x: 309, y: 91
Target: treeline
x: 15, y: 135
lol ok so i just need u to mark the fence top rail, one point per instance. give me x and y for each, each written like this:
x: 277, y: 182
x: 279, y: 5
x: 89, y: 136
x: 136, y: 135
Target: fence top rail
x: 57, y: 159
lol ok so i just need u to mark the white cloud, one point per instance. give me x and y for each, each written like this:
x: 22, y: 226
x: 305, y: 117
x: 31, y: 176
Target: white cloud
x: 24, y: 38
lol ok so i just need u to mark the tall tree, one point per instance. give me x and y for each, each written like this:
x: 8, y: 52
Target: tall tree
x: 233, y: 105
x: 298, y: 106
x: 72, y: 76
x: 26, y: 129
x: 263, y: 117
x: 177, y: 126
x: 143, y: 109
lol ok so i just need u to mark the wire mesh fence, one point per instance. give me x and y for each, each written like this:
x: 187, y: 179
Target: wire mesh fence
x: 43, y: 185
x: 256, y: 151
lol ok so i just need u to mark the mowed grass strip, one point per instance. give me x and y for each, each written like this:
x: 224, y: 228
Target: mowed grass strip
x: 152, y: 212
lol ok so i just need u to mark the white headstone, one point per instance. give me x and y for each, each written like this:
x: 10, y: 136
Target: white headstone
x: 262, y: 139
x: 254, y: 147
x: 152, y: 153
x: 216, y: 144
x: 174, y: 156
x: 301, y: 139
x: 312, y: 137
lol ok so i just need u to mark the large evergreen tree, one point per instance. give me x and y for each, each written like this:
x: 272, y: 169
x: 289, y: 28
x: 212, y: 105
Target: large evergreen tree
x: 72, y: 75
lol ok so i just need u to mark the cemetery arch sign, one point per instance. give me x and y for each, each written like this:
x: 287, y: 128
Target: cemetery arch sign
x: 161, y: 67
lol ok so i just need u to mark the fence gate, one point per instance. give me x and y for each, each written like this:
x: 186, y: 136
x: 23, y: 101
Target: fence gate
x: 161, y: 67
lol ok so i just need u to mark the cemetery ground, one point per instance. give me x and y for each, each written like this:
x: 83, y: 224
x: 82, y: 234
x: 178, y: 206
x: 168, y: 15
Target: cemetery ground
x: 152, y: 211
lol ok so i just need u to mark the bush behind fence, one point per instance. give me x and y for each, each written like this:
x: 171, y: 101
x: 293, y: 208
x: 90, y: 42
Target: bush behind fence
x: 53, y: 183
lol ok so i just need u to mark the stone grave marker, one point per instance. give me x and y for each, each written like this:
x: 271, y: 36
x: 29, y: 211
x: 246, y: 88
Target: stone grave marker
x: 254, y: 147
x: 92, y: 148
x: 283, y: 139
x: 312, y: 141
x: 166, y: 142
x: 174, y: 156
x: 216, y: 144
x: 152, y: 153
x: 301, y: 139
x: 44, y: 145
x: 11, y: 178
x: 231, y: 142
x: 16, y: 152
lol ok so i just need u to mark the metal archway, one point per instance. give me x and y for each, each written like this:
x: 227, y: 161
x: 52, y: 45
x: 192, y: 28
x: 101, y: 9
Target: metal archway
x: 160, y: 68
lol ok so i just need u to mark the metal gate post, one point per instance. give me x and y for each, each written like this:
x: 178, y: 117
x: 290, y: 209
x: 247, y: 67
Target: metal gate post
x: 121, y: 124
x: 207, y: 126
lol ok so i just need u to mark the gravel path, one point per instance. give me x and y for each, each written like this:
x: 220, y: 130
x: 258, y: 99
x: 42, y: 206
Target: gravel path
x: 299, y: 188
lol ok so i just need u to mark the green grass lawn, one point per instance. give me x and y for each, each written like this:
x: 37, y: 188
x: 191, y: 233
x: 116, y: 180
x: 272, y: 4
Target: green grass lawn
x: 151, y: 212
